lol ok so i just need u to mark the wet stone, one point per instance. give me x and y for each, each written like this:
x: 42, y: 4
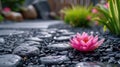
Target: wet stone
x: 10, y: 61
x: 2, y: 40
x: 36, y: 66
x: 95, y: 64
x: 54, y: 59
x: 117, y: 55
x: 111, y: 60
x: 10, y: 32
x: 67, y: 33
x: 31, y: 43
x: 26, y: 44
x: 62, y: 31
x: 44, y: 35
x: 34, y: 39
x: 63, y: 53
x: 26, y: 51
x: 59, y: 46
x: 62, y: 38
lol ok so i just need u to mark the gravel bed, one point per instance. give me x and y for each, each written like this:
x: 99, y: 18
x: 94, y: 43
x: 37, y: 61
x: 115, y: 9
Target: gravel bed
x: 50, y: 48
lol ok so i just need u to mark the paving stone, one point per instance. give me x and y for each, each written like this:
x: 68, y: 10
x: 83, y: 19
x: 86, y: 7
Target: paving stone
x: 10, y: 61
x: 54, y: 59
x: 28, y: 24
x: 10, y: 32
x: 26, y: 51
x: 59, y: 46
x: 34, y: 39
x: 2, y: 40
x: 62, y: 38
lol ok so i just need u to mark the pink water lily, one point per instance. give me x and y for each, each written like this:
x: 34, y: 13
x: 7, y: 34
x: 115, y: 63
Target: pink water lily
x: 85, y: 42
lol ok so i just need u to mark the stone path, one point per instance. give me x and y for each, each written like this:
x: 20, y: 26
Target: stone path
x: 30, y: 24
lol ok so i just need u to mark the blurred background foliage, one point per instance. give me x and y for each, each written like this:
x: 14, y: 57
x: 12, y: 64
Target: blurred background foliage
x: 13, y: 4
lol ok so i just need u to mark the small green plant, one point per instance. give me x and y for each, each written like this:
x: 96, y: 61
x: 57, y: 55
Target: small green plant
x: 110, y: 17
x: 1, y: 18
x: 78, y: 16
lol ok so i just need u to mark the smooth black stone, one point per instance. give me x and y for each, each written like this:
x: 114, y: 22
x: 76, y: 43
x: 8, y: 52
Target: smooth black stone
x: 26, y: 51
x: 67, y: 33
x: 59, y: 46
x: 31, y: 43
x: 10, y: 61
x: 62, y: 38
x: 118, y: 61
x: 34, y: 39
x: 109, y: 49
x: 106, y: 58
x: 86, y: 59
x: 62, y: 31
x: 2, y: 40
x: 10, y: 32
x: 36, y: 66
x: 42, y: 33
x: 52, y: 31
x: 54, y: 59
x: 95, y: 64
x: 63, y: 53
x: 44, y: 36
x: 111, y: 60
x: 117, y: 55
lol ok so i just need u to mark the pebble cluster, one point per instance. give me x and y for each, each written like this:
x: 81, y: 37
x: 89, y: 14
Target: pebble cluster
x: 51, y: 48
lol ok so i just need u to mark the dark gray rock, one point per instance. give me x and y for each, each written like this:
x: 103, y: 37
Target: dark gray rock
x: 59, y: 46
x: 42, y: 7
x: 68, y: 34
x: 26, y: 51
x: 36, y: 66
x: 111, y: 60
x: 31, y: 43
x: 95, y: 64
x: 62, y: 38
x: 10, y: 32
x: 117, y: 55
x: 34, y: 39
x: 63, y: 53
x: 2, y: 40
x: 54, y: 59
x: 65, y: 32
x: 62, y: 31
x: 44, y: 35
x: 10, y: 61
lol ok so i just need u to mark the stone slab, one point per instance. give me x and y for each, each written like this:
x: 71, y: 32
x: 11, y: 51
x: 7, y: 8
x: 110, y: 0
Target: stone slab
x: 30, y: 24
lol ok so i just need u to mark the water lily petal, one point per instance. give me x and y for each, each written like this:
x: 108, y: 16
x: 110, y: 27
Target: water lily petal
x: 82, y: 43
x: 95, y: 39
x: 96, y: 45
